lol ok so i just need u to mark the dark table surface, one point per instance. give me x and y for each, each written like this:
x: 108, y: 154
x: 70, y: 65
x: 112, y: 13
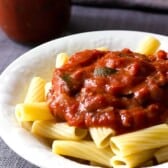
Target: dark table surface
x: 82, y: 19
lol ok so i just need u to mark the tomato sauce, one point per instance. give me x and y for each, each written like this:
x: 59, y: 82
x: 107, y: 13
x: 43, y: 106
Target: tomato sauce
x: 123, y: 90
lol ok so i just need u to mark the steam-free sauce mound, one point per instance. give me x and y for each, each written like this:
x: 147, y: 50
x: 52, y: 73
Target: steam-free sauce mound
x: 123, y: 90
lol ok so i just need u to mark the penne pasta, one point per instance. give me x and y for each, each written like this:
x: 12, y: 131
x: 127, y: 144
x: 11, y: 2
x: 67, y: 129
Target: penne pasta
x: 148, y: 45
x: 35, y: 91
x: 61, y: 59
x: 148, y: 163
x: 53, y: 130
x: 96, y: 164
x: 33, y: 111
x: 86, y: 150
x: 26, y: 125
x: 138, y: 141
x: 102, y: 48
x: 101, y: 136
x: 133, y: 160
x: 162, y: 154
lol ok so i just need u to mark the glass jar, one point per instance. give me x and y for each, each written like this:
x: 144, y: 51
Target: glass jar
x: 34, y: 21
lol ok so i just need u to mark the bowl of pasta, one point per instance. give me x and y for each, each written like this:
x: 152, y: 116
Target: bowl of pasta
x: 95, y: 99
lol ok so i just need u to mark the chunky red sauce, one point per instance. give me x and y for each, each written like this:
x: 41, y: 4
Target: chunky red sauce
x: 123, y: 90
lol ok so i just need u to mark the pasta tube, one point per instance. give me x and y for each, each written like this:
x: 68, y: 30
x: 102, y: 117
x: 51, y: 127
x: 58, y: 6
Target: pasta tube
x: 101, y: 136
x: 35, y: 91
x: 53, y: 130
x: 148, y: 163
x: 102, y: 48
x: 26, y: 125
x: 138, y: 141
x: 92, y: 163
x: 148, y: 46
x: 34, y: 94
x: 86, y: 150
x: 133, y: 160
x: 61, y: 59
x: 162, y: 154
x: 33, y: 111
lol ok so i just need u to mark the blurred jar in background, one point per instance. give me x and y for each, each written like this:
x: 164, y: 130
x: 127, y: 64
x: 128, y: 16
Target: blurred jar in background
x: 34, y: 21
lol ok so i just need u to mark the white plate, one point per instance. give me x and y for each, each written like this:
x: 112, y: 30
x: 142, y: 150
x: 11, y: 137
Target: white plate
x: 40, y: 62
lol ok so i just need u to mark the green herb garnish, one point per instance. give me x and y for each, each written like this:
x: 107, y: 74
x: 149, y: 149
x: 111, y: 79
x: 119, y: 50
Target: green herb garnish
x: 104, y: 71
x: 67, y: 79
